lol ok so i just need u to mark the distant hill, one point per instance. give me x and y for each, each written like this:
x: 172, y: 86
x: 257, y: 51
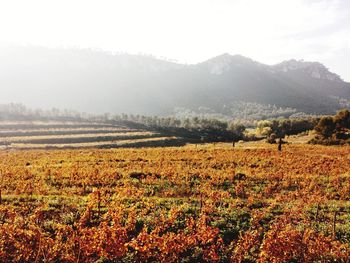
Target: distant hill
x: 225, y: 86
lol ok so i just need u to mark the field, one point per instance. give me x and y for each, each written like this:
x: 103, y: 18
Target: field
x: 58, y: 135
x: 196, y: 203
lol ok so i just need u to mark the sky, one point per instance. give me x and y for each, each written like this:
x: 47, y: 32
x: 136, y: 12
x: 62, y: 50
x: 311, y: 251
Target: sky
x: 187, y: 31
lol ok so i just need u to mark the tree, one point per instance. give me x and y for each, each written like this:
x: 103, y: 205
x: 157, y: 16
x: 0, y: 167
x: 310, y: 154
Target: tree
x: 342, y: 119
x: 325, y: 127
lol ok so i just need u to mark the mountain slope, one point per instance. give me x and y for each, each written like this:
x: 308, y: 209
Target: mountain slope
x: 96, y: 81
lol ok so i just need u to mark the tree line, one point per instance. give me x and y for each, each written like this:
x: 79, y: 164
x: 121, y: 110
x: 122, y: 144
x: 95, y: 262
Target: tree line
x: 328, y: 129
x: 194, y: 129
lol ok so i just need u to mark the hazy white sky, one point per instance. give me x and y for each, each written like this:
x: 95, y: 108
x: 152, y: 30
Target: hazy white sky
x: 190, y: 31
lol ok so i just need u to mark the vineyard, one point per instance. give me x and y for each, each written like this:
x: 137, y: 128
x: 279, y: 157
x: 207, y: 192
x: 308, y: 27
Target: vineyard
x: 196, y: 203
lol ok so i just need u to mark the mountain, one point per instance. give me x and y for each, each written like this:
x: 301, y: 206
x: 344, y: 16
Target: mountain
x: 230, y: 86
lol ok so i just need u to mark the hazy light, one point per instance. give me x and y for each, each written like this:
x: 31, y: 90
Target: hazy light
x: 188, y: 30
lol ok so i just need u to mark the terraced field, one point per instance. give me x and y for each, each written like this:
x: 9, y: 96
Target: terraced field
x: 44, y: 135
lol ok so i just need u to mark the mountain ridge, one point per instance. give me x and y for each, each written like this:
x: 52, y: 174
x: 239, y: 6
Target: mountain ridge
x: 97, y: 81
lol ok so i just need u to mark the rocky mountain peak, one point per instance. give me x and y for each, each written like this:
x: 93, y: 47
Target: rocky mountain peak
x: 313, y: 69
x: 223, y: 63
